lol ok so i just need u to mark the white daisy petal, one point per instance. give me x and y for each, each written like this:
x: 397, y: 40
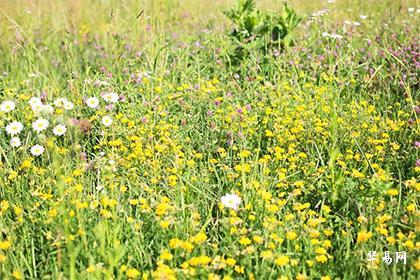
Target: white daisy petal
x: 92, y: 102
x: 59, y: 130
x: 7, y: 106
x: 231, y: 201
x: 37, y: 150
x: 15, y: 142
x: 40, y: 125
x: 14, y: 128
x: 106, y: 121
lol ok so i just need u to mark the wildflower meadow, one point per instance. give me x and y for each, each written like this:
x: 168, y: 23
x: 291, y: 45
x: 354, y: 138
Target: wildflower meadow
x: 193, y: 139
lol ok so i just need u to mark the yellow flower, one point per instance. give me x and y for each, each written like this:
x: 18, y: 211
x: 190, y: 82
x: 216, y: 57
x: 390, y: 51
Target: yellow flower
x: 201, y: 260
x: 4, y: 245
x: 3, y: 258
x: 417, y: 264
x: 52, y: 213
x: 12, y: 175
x: 392, y: 192
x: 326, y: 208
x: 164, y: 223
x: 321, y: 258
x: 362, y: 219
x: 132, y: 273
x: 411, y: 208
x: 409, y: 245
x: 78, y: 188
x: 363, y: 236
x: 172, y: 180
x: 282, y: 260
x: 199, y: 238
x: 258, y: 239
x: 299, y: 184
x: 239, y: 269
x: 301, y: 277
x: 162, y: 208
x: 166, y: 255
x: 245, y: 241
x: 176, y: 243
x: 230, y: 261
x: 187, y: 246
x: 4, y: 205
x: 213, y: 276
x: 391, y: 240
x: 321, y: 251
x: 291, y: 235
x: 328, y: 232
x: 327, y: 243
x: 289, y: 217
x: 16, y: 274
x: 267, y: 254
x: 244, y: 154
x: 357, y: 174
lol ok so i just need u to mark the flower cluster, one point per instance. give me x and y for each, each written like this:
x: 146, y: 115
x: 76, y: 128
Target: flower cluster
x: 120, y: 158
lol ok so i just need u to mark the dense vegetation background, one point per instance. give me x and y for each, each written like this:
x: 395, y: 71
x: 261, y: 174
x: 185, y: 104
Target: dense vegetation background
x: 191, y: 139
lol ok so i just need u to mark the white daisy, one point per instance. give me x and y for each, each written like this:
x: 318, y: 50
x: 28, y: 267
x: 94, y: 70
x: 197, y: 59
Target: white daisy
x: 106, y: 121
x: 59, y: 130
x: 92, y: 102
x: 14, y: 128
x: 40, y: 125
x: 68, y: 105
x: 37, y: 150
x: 35, y: 101
x: 46, y: 109
x: 7, y: 106
x: 59, y: 102
x: 231, y: 201
x: 15, y: 142
x: 111, y: 97
x: 37, y: 108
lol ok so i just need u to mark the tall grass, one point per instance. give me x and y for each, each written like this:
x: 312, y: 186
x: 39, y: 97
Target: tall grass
x: 320, y: 143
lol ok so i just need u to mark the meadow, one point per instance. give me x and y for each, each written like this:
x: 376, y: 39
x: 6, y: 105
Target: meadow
x: 187, y: 139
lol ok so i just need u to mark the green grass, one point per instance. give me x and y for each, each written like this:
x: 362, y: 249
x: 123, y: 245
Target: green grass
x: 318, y: 140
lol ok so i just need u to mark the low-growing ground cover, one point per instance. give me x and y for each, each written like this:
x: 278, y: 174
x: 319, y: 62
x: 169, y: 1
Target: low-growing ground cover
x: 146, y: 140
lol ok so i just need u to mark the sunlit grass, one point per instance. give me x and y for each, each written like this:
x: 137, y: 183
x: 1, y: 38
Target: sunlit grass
x: 131, y: 146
